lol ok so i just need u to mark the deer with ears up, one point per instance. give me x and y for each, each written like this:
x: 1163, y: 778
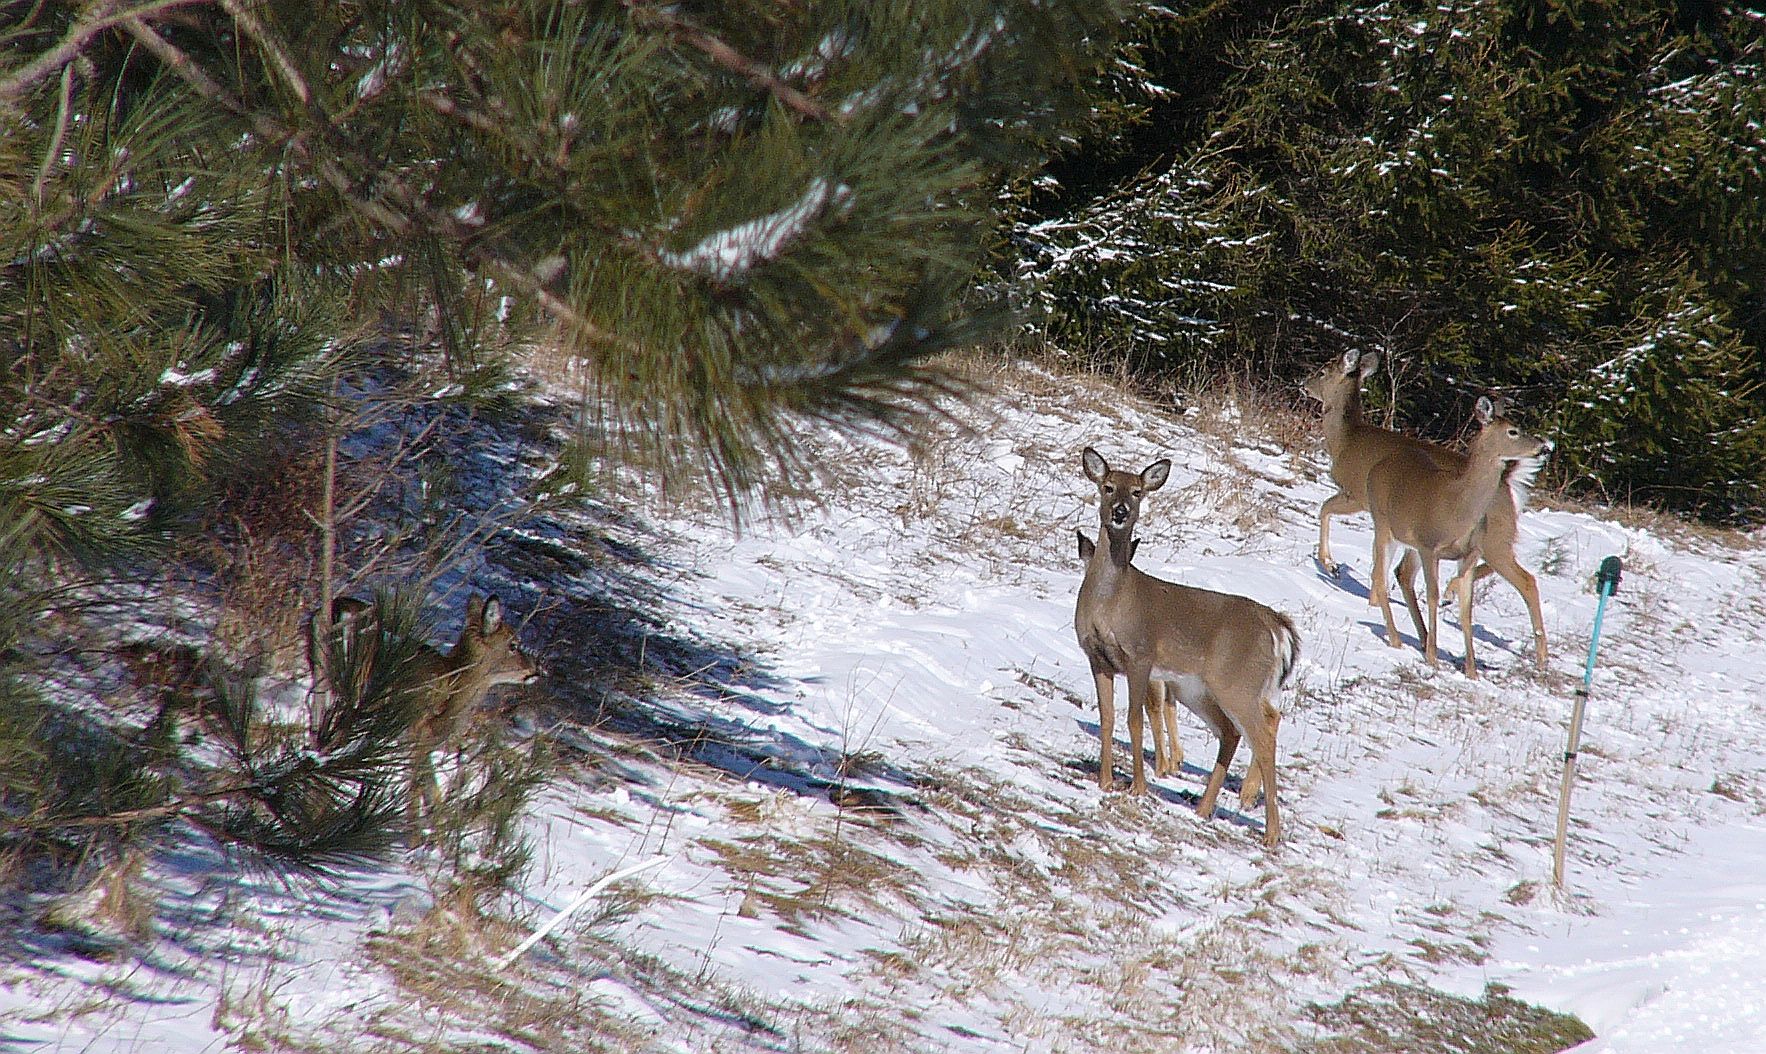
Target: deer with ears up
x: 450, y: 686
x: 1356, y: 446
x: 1225, y: 656
x: 1435, y: 508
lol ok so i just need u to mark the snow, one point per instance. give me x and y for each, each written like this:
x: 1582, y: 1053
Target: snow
x: 1673, y: 963
x: 909, y: 640
x: 729, y: 253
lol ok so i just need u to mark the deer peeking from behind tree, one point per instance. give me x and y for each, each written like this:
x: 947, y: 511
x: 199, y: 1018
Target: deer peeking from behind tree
x: 444, y: 689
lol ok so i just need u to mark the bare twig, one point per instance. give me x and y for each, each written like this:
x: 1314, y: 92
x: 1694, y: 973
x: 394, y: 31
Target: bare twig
x: 253, y: 27
x: 581, y: 898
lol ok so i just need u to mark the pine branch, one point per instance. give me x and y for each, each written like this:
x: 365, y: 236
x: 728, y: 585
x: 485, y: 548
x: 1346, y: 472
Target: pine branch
x: 100, y: 17
x: 55, y: 140
x: 151, y: 812
x: 729, y: 58
x: 399, y: 208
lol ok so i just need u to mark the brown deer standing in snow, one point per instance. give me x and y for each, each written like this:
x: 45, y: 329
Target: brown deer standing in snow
x: 1161, y: 707
x: 1435, y: 506
x: 450, y: 686
x: 1226, y: 656
x: 1355, y: 447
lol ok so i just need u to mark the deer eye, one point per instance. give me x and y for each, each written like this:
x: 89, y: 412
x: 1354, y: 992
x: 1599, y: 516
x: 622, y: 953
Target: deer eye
x: 1514, y: 433
x: 1137, y: 492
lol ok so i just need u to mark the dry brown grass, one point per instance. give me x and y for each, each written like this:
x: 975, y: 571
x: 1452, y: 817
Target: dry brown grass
x: 801, y: 880
x: 262, y: 544
x: 454, y: 995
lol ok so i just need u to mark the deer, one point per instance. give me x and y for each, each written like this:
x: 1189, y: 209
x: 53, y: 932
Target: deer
x: 1435, y: 506
x: 1494, y: 540
x: 1355, y: 446
x: 1226, y: 656
x: 449, y: 686
x: 1161, y: 708
x: 1162, y: 713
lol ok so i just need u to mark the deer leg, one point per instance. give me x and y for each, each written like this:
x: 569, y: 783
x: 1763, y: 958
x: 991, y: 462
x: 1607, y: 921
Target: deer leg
x: 1508, y: 567
x: 1106, y: 684
x: 1261, y: 733
x: 1467, y: 575
x: 420, y: 796
x: 1432, y: 579
x: 1156, y: 717
x: 1139, y: 686
x: 1229, y: 745
x: 1253, y: 781
x: 1338, y: 504
x: 1162, y: 712
x: 1377, y: 594
x: 1407, y: 569
x: 1174, y: 746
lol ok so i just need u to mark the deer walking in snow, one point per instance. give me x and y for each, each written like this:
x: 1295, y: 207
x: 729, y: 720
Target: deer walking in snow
x: 1355, y: 447
x: 1435, y: 506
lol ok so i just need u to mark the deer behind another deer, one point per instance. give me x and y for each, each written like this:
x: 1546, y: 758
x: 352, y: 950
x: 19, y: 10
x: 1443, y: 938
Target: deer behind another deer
x: 1224, y: 656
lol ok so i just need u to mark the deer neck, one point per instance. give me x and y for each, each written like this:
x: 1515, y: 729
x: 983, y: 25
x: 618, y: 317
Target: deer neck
x: 1479, y: 482
x: 1114, y: 549
x: 1342, y: 419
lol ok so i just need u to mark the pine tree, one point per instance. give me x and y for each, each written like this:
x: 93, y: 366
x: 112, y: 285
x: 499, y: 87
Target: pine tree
x: 734, y: 218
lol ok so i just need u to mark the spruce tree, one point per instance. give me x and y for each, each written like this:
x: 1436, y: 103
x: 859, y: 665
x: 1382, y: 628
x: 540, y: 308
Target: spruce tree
x: 1562, y: 202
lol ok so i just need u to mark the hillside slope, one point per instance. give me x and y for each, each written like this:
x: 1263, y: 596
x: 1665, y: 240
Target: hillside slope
x: 864, y: 752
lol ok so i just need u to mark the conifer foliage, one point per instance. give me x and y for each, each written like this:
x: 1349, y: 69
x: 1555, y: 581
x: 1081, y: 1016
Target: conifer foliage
x: 1563, y: 201
x: 732, y: 217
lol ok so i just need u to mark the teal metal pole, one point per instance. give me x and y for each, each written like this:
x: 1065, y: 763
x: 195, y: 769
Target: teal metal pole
x: 1606, y: 584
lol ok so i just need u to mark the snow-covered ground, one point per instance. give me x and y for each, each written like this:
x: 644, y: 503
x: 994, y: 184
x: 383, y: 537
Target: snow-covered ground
x: 881, y: 828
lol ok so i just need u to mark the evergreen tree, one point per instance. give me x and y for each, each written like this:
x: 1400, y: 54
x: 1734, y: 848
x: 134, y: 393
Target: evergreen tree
x: 1509, y: 195
x: 732, y: 217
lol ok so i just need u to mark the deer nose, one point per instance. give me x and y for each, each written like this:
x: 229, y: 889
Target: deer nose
x: 1119, y: 513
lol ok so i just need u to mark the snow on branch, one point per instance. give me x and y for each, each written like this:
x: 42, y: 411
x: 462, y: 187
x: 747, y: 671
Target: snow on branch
x: 731, y: 252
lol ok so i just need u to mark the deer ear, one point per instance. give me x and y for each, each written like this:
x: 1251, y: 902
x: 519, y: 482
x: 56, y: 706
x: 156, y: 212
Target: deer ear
x: 1350, y: 358
x: 1370, y: 362
x: 1485, y: 410
x: 1086, y: 545
x: 493, y: 614
x: 475, y: 613
x: 1155, y: 475
x: 1096, y: 468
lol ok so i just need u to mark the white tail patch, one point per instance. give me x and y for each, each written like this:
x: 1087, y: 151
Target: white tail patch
x: 1521, y: 476
x: 1287, y: 648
